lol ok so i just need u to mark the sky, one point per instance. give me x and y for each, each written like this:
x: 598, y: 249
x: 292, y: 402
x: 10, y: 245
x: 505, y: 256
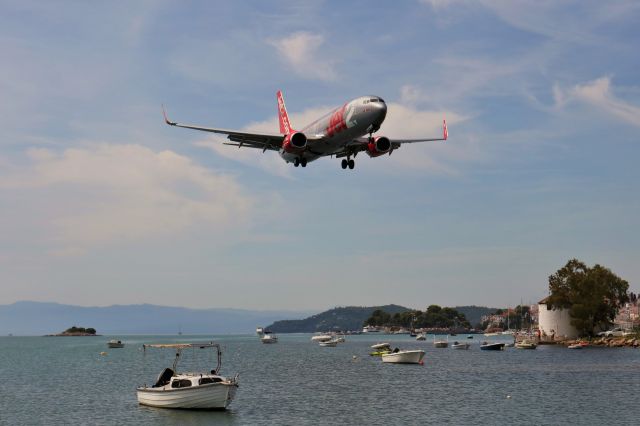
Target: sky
x: 101, y: 203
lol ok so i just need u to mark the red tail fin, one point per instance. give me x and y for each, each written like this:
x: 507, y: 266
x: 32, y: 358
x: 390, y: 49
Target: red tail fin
x: 283, y: 117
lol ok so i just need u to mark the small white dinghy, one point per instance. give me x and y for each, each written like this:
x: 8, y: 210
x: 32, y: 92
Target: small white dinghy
x: 404, y: 357
x: 206, y: 390
x: 463, y: 345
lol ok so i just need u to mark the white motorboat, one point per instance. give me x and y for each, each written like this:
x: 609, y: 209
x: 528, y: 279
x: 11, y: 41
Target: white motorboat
x: 421, y: 336
x: 525, y: 344
x: 440, y: 343
x: 458, y: 345
x: 269, y: 337
x: 329, y: 343
x: 404, y: 357
x: 115, y: 344
x: 201, y: 390
x: 321, y: 337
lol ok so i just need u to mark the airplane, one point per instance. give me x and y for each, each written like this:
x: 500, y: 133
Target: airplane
x: 340, y: 133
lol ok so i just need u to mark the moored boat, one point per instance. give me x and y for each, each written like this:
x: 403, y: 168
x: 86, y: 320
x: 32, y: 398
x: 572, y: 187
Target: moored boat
x: 198, y: 390
x: 485, y: 346
x: 380, y: 349
x: 115, y: 344
x: 269, y: 337
x: 458, y: 345
x: 329, y: 343
x: 525, y: 344
x: 321, y: 338
x: 421, y: 336
x: 403, y: 357
x: 440, y: 343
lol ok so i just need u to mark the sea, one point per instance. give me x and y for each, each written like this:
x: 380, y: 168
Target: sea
x: 79, y: 381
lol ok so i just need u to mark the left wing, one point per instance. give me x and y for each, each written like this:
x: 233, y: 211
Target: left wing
x: 262, y: 141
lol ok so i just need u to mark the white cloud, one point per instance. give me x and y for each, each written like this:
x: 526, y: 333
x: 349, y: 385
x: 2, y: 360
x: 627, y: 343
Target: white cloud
x: 598, y: 93
x: 106, y: 194
x: 301, y: 52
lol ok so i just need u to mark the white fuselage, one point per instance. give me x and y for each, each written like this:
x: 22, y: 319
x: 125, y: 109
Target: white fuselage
x: 332, y: 132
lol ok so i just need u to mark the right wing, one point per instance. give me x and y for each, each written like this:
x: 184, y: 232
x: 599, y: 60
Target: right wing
x: 240, y: 139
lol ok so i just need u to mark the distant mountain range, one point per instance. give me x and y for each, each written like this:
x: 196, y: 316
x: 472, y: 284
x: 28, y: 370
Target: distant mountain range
x: 37, y: 318
x: 346, y: 318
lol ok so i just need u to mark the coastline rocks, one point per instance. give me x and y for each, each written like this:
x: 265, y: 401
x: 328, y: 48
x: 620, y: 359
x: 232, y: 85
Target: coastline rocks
x: 609, y: 342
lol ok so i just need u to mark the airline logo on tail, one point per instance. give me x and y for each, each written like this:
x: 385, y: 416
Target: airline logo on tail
x: 283, y: 117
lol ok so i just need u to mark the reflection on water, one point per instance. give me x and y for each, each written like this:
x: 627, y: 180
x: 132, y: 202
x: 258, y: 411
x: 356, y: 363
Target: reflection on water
x: 65, y: 380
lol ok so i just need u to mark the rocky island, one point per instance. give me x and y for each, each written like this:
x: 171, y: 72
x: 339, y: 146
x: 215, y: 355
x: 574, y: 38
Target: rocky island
x: 77, y: 331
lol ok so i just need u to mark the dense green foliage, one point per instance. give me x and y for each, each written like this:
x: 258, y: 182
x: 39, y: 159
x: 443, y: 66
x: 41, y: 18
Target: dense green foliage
x: 592, y: 295
x: 433, y: 317
x: 75, y: 329
x: 337, y: 319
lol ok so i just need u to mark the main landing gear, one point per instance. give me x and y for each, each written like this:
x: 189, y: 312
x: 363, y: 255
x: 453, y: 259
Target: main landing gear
x: 300, y: 162
x: 348, y: 163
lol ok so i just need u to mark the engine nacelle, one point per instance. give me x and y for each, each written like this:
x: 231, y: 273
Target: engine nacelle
x: 295, y: 142
x: 378, y: 146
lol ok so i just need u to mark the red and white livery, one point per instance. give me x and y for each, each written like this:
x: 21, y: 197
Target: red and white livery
x: 342, y: 133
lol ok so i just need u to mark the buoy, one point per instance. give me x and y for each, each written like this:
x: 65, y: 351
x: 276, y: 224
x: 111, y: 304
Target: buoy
x: 355, y: 357
x: 421, y: 362
x: 508, y: 396
x: 103, y: 353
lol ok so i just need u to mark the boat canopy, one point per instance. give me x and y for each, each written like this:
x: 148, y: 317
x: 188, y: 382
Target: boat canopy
x: 180, y: 346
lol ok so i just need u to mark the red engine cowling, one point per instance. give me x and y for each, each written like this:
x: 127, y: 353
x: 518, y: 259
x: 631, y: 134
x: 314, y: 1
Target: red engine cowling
x: 295, y: 142
x: 380, y: 145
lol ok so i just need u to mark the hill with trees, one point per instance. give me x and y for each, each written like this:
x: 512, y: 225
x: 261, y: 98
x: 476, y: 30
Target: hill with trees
x: 337, y: 319
x: 434, y: 317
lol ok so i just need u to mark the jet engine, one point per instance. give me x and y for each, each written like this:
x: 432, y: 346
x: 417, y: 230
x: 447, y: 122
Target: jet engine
x: 295, y: 142
x: 378, y: 146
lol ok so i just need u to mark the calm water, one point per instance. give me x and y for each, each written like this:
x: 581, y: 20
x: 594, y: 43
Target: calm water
x: 65, y: 380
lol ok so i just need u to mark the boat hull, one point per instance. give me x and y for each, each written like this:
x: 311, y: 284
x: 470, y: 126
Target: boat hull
x: 215, y: 396
x: 404, y: 357
x: 492, y: 347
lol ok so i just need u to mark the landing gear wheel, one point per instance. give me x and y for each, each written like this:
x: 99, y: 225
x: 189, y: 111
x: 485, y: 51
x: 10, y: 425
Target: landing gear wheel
x: 345, y: 163
x: 303, y: 162
x: 296, y: 162
x: 352, y: 164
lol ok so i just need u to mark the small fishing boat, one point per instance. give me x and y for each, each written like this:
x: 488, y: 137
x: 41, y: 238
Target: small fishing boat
x: 380, y: 349
x: 269, y: 337
x: 403, y: 357
x: 321, y: 338
x: 198, y: 390
x: 440, y: 343
x: 526, y: 344
x: 115, y: 344
x: 486, y: 346
x: 458, y: 345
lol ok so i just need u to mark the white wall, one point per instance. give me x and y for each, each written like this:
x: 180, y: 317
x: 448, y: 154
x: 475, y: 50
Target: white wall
x: 557, y: 321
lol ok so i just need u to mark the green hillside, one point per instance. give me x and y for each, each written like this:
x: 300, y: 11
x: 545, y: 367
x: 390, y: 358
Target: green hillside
x: 337, y: 319
x: 473, y: 313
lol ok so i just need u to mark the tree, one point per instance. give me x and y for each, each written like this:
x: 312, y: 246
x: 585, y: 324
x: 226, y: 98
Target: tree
x: 592, y: 295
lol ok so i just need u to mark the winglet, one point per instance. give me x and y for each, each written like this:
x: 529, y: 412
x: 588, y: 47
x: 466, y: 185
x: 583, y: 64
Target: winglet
x: 166, y: 120
x: 445, y: 132
x: 283, y: 117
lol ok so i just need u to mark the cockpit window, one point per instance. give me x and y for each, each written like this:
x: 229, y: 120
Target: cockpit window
x: 380, y: 100
x: 373, y: 100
